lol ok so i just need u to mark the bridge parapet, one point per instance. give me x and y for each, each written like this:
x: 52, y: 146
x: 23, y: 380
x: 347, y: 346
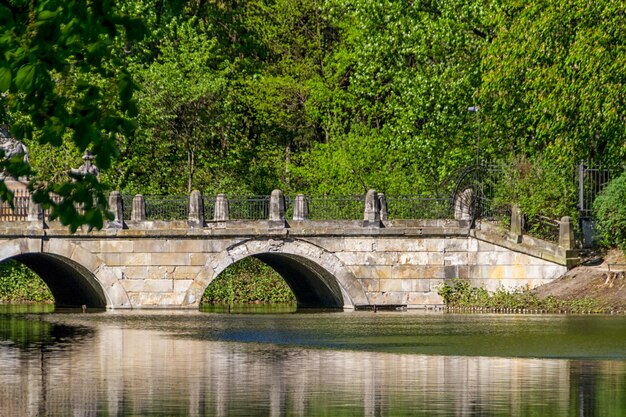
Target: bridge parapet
x: 374, y: 257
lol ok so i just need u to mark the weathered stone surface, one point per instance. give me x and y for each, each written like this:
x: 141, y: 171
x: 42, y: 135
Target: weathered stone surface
x: 423, y: 299
x: 186, y: 246
x: 387, y: 285
x: 415, y: 285
x: 221, y: 212
x: 419, y: 271
x: 160, y: 272
x: 370, y: 284
x: 86, y: 259
x: 135, y: 272
x: 185, y: 272
x: 169, y: 259
x: 420, y: 258
x: 168, y: 264
x: 158, y: 285
x: 196, y: 209
x: 380, y: 272
x: 151, y: 245
x: 116, y: 207
x: 345, y: 244
x: 198, y: 259
x: 182, y: 285
x: 116, y: 246
x: 300, y: 208
x: 138, y: 212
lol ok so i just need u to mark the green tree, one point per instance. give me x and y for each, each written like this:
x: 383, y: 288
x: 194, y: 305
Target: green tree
x: 553, y: 80
x: 184, y: 111
x: 61, y: 81
x: 403, y: 75
x: 609, y: 211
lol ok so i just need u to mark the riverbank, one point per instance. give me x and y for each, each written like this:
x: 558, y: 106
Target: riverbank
x: 600, y: 279
x: 598, y: 285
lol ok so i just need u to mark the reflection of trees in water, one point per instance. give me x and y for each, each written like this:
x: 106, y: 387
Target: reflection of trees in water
x: 35, y: 333
x: 598, y: 388
x: 123, y: 369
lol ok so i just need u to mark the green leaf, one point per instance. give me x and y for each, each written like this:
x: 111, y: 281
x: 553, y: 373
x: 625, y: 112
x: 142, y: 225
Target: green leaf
x: 5, y: 79
x: 25, y: 78
x: 47, y: 15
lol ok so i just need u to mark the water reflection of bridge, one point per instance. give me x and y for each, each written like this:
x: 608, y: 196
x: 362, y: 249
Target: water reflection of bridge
x: 124, y: 371
x: 380, y: 251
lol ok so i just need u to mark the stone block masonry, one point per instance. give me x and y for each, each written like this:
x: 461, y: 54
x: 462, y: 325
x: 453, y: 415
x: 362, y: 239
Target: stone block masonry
x: 339, y: 264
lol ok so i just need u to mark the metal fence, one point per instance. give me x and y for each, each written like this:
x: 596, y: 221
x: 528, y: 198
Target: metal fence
x: 208, y: 206
x: 127, y: 204
x: 166, y: 207
x: 543, y: 228
x: 249, y: 208
x: 336, y: 207
x: 591, y: 180
x: 407, y: 207
x: 19, y: 211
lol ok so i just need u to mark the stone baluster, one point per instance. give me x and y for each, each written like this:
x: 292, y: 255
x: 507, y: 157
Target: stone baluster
x: 222, y: 211
x: 138, y: 213
x: 277, y: 209
x: 382, y: 204
x: 301, y: 208
x: 116, y: 206
x: 566, y: 233
x: 196, y: 209
x: 371, y: 214
x: 35, y: 212
x: 516, y: 224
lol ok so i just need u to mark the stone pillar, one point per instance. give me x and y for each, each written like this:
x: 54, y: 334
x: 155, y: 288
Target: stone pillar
x: 566, y: 233
x: 516, y: 224
x: 301, y: 208
x: 371, y: 214
x: 382, y: 204
x: 35, y: 212
x: 116, y: 206
x: 277, y: 209
x: 222, y: 212
x: 196, y: 209
x: 464, y: 205
x: 138, y: 213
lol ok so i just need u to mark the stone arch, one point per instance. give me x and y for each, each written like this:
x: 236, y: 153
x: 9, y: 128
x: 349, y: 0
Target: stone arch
x: 317, y: 277
x: 74, y: 275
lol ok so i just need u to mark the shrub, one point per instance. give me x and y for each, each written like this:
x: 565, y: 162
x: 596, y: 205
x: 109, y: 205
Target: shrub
x: 248, y: 281
x: 538, y: 186
x: 609, y: 211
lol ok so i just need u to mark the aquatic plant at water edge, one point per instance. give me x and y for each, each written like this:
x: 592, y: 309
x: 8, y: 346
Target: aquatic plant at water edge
x: 460, y: 293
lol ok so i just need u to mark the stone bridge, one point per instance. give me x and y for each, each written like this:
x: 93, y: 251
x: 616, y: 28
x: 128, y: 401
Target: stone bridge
x: 142, y: 263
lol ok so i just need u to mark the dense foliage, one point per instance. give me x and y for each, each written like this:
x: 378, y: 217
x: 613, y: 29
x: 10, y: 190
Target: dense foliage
x: 248, y: 281
x: 19, y: 284
x: 610, y: 213
x: 320, y: 97
x: 459, y: 294
x: 315, y: 96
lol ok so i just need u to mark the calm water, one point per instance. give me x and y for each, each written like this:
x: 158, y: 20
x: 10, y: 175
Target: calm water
x: 310, y: 364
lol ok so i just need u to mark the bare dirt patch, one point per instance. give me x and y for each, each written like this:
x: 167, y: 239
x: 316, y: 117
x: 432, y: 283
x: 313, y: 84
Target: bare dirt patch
x: 601, y: 278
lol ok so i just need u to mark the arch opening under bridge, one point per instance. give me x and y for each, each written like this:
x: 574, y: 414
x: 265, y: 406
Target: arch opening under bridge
x: 317, y: 278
